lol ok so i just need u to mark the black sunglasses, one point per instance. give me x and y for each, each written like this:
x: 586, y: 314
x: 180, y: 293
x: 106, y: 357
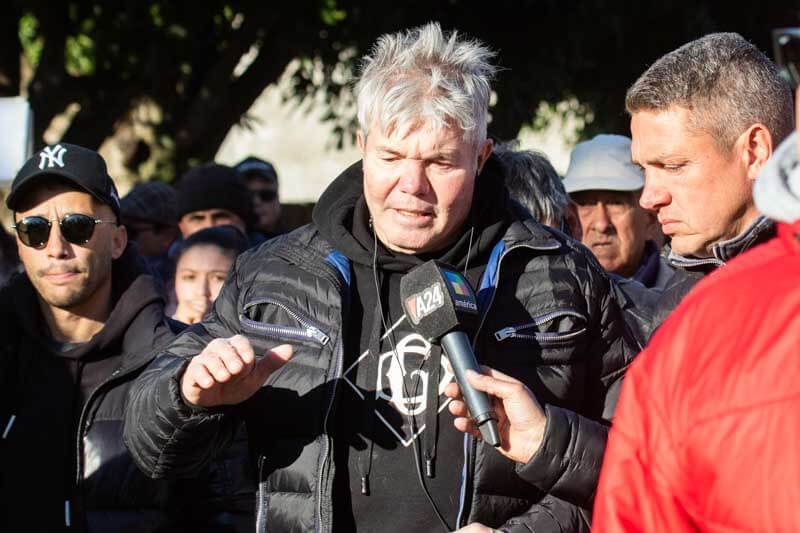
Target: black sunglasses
x: 76, y: 228
x: 266, y: 195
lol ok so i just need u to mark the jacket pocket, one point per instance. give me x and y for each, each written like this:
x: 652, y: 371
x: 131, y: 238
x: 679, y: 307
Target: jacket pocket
x: 551, y: 329
x: 257, y: 320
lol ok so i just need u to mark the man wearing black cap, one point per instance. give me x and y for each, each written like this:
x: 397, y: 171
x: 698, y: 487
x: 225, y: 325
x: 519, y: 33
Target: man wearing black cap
x: 262, y: 182
x: 213, y: 195
x: 77, y: 329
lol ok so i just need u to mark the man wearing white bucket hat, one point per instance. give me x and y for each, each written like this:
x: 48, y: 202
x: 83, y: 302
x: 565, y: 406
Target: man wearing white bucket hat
x: 605, y: 185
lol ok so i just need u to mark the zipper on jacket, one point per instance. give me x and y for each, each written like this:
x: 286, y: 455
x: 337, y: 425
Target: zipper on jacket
x: 338, y: 356
x: 494, y: 292
x: 261, y: 497
x: 516, y: 332
x: 469, y: 460
x: 684, y: 262
x: 309, y: 331
x: 325, y: 273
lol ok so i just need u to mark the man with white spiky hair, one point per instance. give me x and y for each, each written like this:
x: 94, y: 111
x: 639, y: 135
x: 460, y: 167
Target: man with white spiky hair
x: 309, y: 345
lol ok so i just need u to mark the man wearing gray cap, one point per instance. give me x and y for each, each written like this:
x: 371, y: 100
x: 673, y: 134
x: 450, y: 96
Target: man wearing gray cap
x: 605, y: 187
x: 150, y: 214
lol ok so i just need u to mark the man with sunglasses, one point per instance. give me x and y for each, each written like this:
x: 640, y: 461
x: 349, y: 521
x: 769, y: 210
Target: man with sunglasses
x: 262, y: 182
x: 77, y: 329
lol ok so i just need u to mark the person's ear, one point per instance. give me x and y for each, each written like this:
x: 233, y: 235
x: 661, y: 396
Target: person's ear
x: 573, y: 221
x: 484, y: 153
x: 119, y: 241
x: 361, y: 142
x: 756, y: 149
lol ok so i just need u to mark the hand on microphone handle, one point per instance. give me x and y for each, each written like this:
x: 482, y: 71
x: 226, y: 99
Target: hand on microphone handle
x: 521, y: 420
x: 457, y: 346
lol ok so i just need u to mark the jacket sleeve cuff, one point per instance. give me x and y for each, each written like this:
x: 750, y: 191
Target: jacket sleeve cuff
x: 567, y: 464
x: 545, y: 466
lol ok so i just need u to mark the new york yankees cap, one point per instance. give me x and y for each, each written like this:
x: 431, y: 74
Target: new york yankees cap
x: 75, y: 164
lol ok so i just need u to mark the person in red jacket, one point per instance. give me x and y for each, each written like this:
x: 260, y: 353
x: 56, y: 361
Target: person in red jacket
x: 706, y: 432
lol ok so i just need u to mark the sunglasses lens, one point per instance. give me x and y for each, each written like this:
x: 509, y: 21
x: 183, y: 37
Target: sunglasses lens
x: 77, y: 228
x: 33, y: 231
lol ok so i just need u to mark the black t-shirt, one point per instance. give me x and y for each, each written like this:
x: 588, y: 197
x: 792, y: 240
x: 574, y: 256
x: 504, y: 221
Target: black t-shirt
x: 385, y: 402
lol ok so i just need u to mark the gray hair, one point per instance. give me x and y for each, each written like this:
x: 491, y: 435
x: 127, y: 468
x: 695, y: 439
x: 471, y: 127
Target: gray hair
x: 533, y: 182
x: 425, y: 75
x: 727, y: 84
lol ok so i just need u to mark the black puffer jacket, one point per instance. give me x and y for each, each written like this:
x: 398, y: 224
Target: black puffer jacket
x: 549, y: 318
x: 70, y: 464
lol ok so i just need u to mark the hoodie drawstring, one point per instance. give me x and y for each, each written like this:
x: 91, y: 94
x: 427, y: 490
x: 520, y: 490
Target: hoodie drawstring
x: 365, y: 456
x: 431, y: 434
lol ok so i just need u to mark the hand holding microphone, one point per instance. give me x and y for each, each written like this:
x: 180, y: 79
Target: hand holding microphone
x: 521, y: 420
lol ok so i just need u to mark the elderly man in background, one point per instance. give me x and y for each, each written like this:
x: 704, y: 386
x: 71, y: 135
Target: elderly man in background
x: 605, y: 186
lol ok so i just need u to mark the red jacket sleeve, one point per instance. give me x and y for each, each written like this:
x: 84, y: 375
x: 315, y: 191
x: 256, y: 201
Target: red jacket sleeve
x: 641, y: 478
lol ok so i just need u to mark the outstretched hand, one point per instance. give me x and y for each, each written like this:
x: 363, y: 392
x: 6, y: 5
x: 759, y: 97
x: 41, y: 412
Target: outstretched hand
x: 227, y: 372
x: 521, y: 420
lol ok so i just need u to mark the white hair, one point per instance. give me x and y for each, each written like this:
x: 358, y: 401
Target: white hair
x: 424, y: 76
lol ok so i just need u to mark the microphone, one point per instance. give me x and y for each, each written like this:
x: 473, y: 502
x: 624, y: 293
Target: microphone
x: 438, y: 302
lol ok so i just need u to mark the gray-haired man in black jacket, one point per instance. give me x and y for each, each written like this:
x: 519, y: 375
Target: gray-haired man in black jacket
x: 350, y: 431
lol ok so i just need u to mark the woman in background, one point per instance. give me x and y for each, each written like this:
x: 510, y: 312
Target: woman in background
x: 202, y: 265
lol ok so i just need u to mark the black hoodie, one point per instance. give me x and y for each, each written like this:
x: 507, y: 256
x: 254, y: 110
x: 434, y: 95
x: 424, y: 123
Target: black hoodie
x: 377, y: 465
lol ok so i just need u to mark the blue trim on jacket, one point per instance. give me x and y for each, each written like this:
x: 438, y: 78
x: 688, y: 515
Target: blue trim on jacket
x: 341, y: 263
x: 489, y: 279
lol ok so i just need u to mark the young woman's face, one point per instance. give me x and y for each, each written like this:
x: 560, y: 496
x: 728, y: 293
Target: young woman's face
x: 199, y: 276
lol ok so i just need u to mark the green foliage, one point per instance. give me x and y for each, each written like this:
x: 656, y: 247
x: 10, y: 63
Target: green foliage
x: 559, y: 58
x: 330, y: 14
x: 32, y: 42
x: 80, y: 56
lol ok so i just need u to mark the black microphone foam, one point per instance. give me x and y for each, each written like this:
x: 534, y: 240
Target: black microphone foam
x: 438, y: 302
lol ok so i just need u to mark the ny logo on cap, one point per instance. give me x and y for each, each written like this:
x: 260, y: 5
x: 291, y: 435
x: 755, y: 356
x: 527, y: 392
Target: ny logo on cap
x: 52, y: 156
